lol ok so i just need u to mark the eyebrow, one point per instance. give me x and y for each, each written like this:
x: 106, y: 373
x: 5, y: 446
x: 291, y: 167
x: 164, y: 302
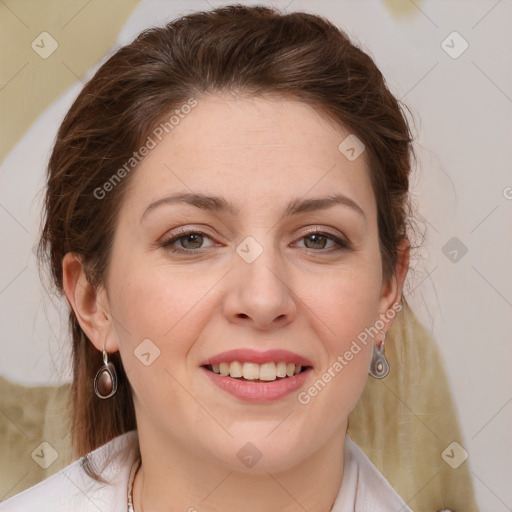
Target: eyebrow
x: 219, y: 204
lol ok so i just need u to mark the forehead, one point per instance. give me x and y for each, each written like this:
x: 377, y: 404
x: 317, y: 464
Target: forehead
x: 266, y: 127
x: 254, y: 148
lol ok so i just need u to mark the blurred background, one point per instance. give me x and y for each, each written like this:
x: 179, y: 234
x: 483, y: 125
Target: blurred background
x: 448, y: 61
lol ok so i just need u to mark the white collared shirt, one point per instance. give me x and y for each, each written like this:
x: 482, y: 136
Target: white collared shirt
x: 363, y: 488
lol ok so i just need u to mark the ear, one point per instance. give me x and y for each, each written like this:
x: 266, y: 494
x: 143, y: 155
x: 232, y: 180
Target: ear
x: 89, y: 303
x: 392, y: 289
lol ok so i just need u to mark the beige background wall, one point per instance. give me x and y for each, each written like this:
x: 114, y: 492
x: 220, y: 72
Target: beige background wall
x: 83, y: 30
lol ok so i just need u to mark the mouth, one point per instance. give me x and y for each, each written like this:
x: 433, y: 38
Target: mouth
x: 258, y: 373
x: 255, y: 376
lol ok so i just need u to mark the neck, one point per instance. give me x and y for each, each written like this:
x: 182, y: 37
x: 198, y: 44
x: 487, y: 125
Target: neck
x: 171, y: 476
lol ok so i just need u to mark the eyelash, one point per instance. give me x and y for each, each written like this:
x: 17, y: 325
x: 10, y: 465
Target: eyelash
x: 167, y: 243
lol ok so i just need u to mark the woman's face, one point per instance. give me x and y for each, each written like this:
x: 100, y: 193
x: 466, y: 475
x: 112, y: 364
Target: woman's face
x: 249, y: 277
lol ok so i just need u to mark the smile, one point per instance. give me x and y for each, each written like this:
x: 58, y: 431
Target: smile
x: 257, y: 376
x: 266, y: 372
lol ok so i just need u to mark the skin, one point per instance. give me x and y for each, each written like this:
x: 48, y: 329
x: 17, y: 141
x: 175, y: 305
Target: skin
x: 299, y: 295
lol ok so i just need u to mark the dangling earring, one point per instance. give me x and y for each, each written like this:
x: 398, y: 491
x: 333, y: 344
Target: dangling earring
x: 105, y: 382
x: 379, y: 366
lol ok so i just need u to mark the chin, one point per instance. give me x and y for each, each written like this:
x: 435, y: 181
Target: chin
x: 259, y: 453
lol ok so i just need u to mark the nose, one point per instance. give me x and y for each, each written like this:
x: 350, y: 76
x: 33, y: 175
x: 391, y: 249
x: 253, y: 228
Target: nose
x: 260, y: 295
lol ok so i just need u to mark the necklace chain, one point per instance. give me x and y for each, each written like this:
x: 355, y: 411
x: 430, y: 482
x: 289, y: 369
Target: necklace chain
x: 133, y: 473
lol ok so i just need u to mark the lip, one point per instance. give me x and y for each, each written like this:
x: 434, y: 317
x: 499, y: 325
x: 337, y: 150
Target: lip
x: 260, y: 357
x: 258, y: 392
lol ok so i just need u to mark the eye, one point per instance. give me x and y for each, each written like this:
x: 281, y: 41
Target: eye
x: 326, y: 242
x: 187, y: 241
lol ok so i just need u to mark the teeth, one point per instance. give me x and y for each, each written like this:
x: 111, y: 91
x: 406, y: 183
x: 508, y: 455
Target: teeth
x: 281, y: 369
x: 253, y: 371
x: 268, y: 371
x: 236, y: 369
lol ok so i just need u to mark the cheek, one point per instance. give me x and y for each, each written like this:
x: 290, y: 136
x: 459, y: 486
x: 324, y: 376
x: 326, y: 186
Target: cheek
x: 161, y: 305
x: 346, y: 308
x: 346, y: 302
x: 162, y: 314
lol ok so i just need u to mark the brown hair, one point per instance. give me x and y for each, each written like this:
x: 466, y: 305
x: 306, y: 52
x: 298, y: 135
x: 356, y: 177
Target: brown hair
x: 249, y: 50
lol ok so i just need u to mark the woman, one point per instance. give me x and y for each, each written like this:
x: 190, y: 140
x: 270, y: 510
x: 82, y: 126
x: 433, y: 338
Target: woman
x: 226, y: 214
